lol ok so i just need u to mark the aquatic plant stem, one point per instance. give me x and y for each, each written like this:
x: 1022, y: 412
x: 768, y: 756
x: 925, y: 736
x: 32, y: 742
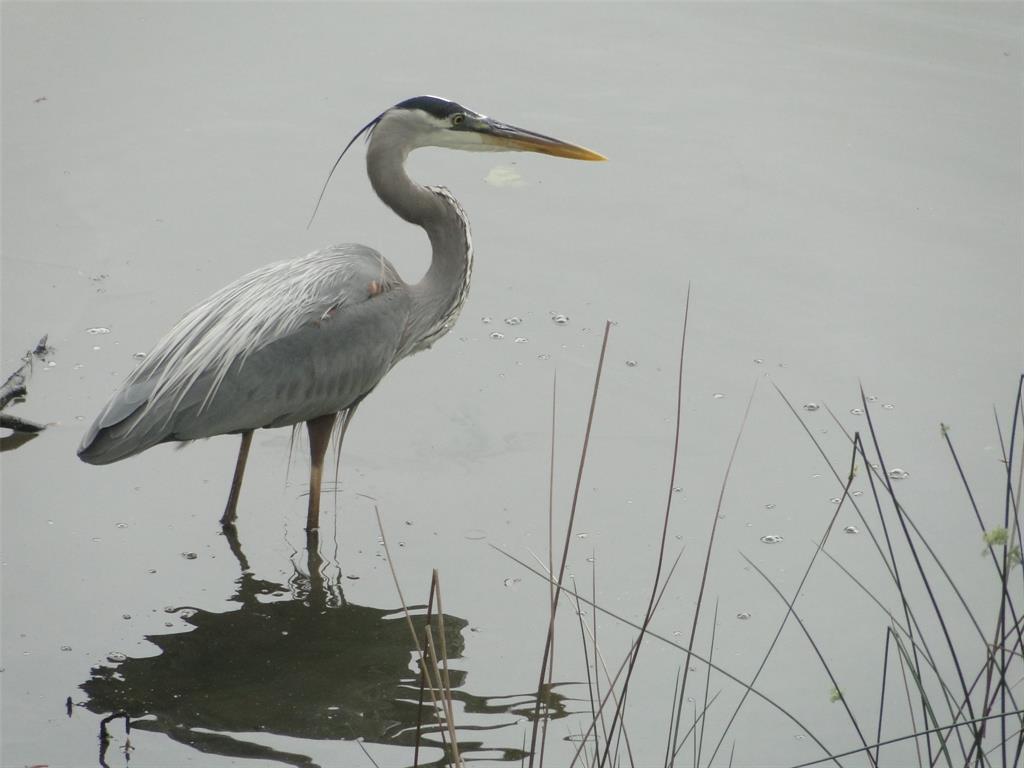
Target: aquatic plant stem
x: 667, y: 641
x: 649, y: 614
x: 549, y: 640
x: 790, y: 608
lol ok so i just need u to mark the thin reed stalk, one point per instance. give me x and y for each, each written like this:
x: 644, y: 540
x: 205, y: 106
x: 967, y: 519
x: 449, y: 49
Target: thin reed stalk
x: 436, y: 683
x: 707, y: 565
x: 680, y: 647
x: 905, y: 737
x: 549, y: 639
x: 649, y: 614
x: 790, y: 607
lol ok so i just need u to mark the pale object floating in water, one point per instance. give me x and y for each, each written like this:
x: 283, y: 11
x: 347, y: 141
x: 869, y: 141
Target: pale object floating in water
x: 504, y: 176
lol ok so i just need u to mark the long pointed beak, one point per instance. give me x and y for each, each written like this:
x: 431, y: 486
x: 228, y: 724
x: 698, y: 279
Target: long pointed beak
x: 509, y: 137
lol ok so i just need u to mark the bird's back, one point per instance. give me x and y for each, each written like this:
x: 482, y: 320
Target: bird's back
x: 283, y: 344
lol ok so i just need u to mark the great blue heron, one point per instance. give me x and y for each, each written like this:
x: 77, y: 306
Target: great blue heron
x: 306, y: 340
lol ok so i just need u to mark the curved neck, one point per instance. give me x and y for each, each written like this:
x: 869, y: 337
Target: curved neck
x: 439, y: 296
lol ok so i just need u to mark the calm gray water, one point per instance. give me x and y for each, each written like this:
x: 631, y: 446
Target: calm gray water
x: 841, y: 186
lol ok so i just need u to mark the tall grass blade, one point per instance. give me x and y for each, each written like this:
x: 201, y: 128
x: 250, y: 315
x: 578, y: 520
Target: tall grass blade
x: 920, y: 569
x: 549, y: 640
x: 790, y: 604
x: 817, y: 650
x: 649, y: 613
x: 586, y: 663
x: 972, y: 723
x: 433, y: 685
x: 707, y: 558
x: 707, y: 686
x: 668, y: 641
x: 881, y: 695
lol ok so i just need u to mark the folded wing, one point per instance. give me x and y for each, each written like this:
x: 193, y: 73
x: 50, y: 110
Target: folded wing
x: 286, y: 343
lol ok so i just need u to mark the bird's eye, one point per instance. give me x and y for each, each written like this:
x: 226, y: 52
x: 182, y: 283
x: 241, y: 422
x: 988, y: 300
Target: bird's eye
x: 458, y: 118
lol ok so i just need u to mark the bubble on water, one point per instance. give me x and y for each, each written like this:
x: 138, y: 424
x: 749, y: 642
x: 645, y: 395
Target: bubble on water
x: 835, y: 500
x: 758, y: 360
x: 513, y: 320
x: 560, y: 319
x: 888, y: 406
x: 189, y: 555
x: 97, y: 331
x: 485, y: 320
x: 811, y: 406
x: 771, y: 538
x: 769, y: 506
x: 126, y: 616
x: 475, y: 534
x: 718, y: 396
x: 676, y: 489
x: 50, y: 364
x: 511, y: 582
x: 520, y: 340
x: 187, y: 613
x: 65, y: 648
x: 96, y: 348
x: 78, y: 366
x: 858, y: 493
x: 582, y: 535
x: 168, y: 624
x: 151, y: 571
x: 116, y: 657
x: 79, y: 418
x: 139, y: 356
x: 743, y: 615
x: 857, y: 411
x: 898, y: 474
x: 631, y: 363
x: 543, y: 356
x: 121, y: 525
x: 497, y: 335
x: 851, y: 529
x: 591, y: 559
x: 872, y: 398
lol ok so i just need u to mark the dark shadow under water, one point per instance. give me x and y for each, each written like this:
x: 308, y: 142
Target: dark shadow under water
x: 311, y: 666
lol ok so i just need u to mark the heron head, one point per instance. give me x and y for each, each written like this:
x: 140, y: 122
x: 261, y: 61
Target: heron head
x: 430, y: 121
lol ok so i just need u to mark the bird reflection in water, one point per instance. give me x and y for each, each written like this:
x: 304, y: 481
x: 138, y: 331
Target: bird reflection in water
x: 312, y: 666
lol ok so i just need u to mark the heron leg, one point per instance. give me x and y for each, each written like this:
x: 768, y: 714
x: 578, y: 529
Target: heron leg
x: 228, y: 518
x: 319, y: 436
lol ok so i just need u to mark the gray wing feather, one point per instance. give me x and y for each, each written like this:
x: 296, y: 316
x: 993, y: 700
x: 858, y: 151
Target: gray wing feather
x: 285, y: 343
